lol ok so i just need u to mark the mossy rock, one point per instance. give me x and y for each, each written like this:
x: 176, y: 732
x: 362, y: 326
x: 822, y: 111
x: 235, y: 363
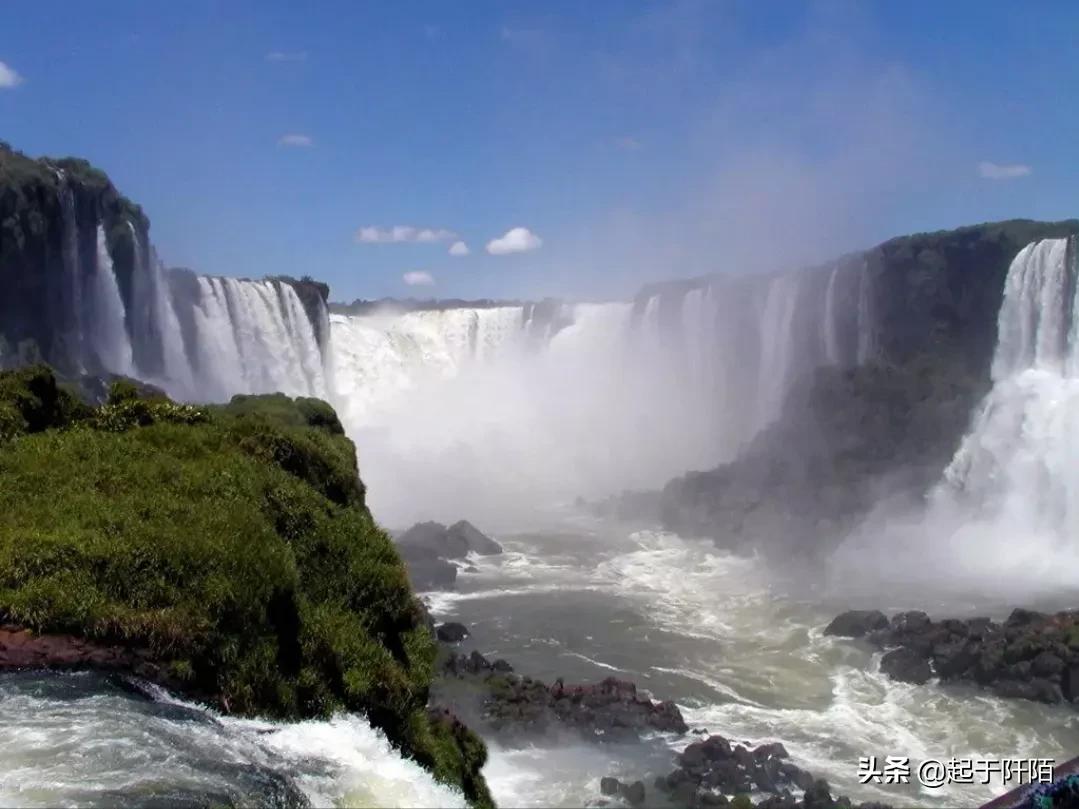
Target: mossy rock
x: 232, y: 544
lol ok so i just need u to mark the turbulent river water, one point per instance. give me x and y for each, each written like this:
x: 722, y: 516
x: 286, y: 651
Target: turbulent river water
x: 580, y: 599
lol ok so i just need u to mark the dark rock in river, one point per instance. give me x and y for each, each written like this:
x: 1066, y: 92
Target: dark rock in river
x: 1031, y: 655
x: 451, y: 632
x: 509, y: 704
x: 454, y: 542
x: 906, y: 666
x: 856, y: 623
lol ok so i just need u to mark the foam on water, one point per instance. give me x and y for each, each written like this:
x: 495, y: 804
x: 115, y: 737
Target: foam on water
x: 742, y: 658
x: 76, y: 740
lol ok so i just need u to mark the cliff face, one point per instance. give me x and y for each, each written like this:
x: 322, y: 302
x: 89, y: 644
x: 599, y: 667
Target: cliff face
x: 49, y: 210
x: 849, y: 436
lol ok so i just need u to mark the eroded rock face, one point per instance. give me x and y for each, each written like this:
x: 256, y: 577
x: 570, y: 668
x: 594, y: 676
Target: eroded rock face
x: 1031, y: 655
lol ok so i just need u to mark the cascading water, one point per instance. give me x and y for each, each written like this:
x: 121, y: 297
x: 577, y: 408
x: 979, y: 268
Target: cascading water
x: 253, y: 337
x: 1002, y: 518
x: 465, y: 410
x: 1016, y: 467
x: 106, y: 307
x: 205, y: 341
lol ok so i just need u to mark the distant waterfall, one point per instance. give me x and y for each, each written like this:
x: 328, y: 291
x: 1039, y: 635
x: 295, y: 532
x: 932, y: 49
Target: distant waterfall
x: 467, y: 409
x: 199, y: 338
x: 253, y: 337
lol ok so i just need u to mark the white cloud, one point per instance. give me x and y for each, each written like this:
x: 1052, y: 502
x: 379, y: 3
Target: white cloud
x: 628, y: 143
x: 372, y: 234
x: 515, y: 240
x: 8, y: 77
x: 1002, y: 171
x: 295, y: 139
x: 418, y: 279
x: 286, y: 56
x: 459, y: 249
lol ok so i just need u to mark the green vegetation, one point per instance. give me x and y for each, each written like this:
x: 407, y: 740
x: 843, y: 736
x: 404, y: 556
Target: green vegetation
x: 232, y: 543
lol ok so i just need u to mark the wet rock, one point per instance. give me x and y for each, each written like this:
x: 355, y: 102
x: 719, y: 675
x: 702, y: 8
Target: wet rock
x: 906, y: 666
x: 426, y: 569
x: 633, y: 793
x: 609, y: 786
x: 1046, y: 664
x: 856, y: 623
x: 455, y: 542
x: 1031, y: 655
x: 451, y: 632
x: 1070, y: 684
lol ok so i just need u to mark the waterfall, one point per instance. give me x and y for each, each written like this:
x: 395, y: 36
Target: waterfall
x: 1002, y: 519
x: 1017, y: 462
x: 778, y: 344
x: 474, y: 410
x: 828, y: 322
x: 251, y: 337
x: 199, y: 338
x: 107, y: 336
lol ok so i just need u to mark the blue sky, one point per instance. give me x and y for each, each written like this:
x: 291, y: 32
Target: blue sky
x: 631, y: 141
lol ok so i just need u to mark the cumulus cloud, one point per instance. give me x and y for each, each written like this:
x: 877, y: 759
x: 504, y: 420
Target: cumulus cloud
x: 8, y: 77
x: 459, y: 249
x: 286, y: 56
x: 399, y: 234
x: 1002, y: 171
x: 418, y: 278
x: 295, y: 139
x: 515, y: 240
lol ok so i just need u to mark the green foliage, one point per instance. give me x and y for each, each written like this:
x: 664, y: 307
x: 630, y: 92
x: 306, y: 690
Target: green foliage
x: 31, y: 401
x: 230, y: 542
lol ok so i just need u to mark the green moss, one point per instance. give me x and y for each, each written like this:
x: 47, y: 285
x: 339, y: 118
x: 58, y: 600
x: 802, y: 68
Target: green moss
x: 230, y: 542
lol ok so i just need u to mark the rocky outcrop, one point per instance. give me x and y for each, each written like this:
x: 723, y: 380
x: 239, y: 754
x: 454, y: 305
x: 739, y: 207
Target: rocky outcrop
x: 1031, y: 655
x: 511, y: 705
x: 427, y: 548
x: 713, y: 772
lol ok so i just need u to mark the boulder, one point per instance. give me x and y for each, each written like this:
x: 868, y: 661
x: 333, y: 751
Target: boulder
x: 609, y: 786
x: 451, y: 632
x: 454, y: 542
x: 856, y: 623
x: 465, y: 534
x: 906, y: 666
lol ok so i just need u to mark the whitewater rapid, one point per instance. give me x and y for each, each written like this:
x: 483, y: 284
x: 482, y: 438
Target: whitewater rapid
x: 741, y: 651
x: 79, y: 739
